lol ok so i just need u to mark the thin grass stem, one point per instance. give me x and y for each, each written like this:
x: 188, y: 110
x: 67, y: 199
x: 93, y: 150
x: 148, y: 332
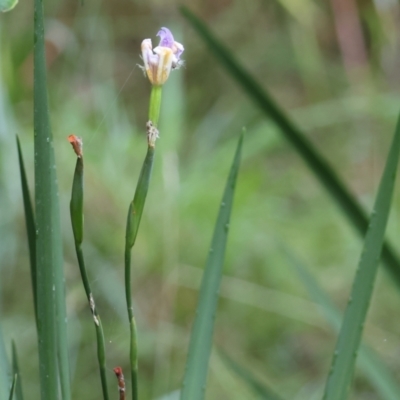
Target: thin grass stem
x: 132, y: 226
x: 76, y: 210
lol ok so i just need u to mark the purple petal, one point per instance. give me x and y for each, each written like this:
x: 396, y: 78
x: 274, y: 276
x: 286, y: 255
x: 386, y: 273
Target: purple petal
x: 167, y: 40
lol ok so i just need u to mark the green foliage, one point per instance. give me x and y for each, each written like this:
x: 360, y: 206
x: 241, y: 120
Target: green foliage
x: 373, y: 367
x: 194, y: 381
x: 344, y: 358
x: 317, y: 163
x: 262, y: 391
x: 52, y: 319
x: 95, y: 90
x: 132, y: 227
x: 76, y: 205
x: 76, y: 212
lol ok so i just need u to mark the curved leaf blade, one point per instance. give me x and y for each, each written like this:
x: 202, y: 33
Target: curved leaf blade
x: 317, y: 163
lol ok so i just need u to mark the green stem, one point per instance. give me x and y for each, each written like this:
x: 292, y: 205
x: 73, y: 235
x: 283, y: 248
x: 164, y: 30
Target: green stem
x: 132, y: 227
x: 155, y: 104
x: 76, y: 209
x: 101, y: 356
x: 133, y: 354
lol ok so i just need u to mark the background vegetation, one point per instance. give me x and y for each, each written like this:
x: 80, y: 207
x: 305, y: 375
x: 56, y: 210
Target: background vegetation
x: 334, y: 67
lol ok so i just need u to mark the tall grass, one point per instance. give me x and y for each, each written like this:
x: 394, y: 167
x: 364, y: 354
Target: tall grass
x: 175, y: 225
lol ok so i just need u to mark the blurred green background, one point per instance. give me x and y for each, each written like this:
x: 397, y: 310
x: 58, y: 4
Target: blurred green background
x: 333, y: 65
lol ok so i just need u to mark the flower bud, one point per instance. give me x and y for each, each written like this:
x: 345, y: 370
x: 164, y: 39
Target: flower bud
x: 159, y: 62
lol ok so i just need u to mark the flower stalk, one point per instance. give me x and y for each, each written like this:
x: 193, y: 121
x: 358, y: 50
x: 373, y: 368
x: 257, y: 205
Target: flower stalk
x: 76, y: 211
x: 158, y: 63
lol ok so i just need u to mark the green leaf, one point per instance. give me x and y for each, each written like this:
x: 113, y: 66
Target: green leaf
x: 132, y: 226
x: 12, y: 390
x: 369, y: 362
x: 317, y: 163
x: 76, y: 203
x: 262, y: 391
x: 340, y: 377
x: 7, y: 5
x: 30, y: 224
x: 202, y: 332
x: 15, y: 368
x: 76, y: 211
x: 51, y: 310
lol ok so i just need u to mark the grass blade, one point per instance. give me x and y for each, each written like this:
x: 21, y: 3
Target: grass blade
x: 369, y: 362
x: 317, y: 163
x: 133, y: 221
x: 262, y: 391
x: 76, y: 210
x: 52, y: 332
x: 15, y: 368
x: 12, y: 390
x: 30, y: 224
x: 202, y: 332
x: 340, y: 377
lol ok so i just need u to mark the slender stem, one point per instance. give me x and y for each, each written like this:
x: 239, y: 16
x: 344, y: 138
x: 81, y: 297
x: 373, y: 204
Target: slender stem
x: 133, y: 355
x: 132, y: 227
x: 82, y: 268
x: 76, y: 208
x: 155, y: 104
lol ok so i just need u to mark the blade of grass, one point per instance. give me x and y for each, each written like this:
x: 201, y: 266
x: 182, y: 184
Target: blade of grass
x: 132, y: 227
x: 262, y: 391
x: 340, y: 376
x: 76, y: 210
x: 15, y: 369
x: 30, y: 224
x: 12, y: 390
x: 195, y: 378
x: 369, y: 362
x: 317, y: 163
x: 52, y: 332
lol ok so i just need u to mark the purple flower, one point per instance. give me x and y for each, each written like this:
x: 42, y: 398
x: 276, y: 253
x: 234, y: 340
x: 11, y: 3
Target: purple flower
x: 159, y: 61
